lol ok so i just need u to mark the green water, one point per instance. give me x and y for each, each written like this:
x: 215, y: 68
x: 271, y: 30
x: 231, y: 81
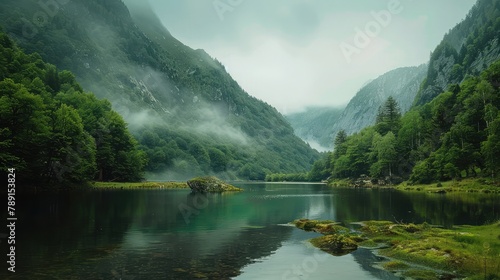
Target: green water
x: 173, y: 234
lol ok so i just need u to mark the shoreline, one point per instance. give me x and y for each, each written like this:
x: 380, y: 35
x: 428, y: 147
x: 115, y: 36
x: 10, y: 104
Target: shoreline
x: 139, y: 185
x: 486, y: 186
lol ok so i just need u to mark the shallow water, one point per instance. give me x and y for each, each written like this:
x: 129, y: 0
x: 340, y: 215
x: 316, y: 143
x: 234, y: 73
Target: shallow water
x: 173, y: 234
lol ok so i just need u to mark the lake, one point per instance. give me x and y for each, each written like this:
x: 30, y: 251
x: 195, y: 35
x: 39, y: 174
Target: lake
x: 173, y: 234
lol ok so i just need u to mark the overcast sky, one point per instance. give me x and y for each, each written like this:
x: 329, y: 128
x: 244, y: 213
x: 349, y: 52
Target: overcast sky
x: 298, y: 53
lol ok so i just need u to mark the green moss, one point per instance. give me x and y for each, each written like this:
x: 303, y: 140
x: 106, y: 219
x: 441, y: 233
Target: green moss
x: 141, y: 185
x: 325, y: 226
x: 467, y: 250
x: 466, y: 185
x: 335, y: 244
x: 420, y: 274
x: 369, y: 243
x: 395, y: 266
x: 210, y: 184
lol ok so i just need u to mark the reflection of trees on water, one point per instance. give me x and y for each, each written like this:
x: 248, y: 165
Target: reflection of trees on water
x: 409, y: 207
x: 366, y: 259
x: 98, y: 235
x: 143, y: 234
x: 56, y: 231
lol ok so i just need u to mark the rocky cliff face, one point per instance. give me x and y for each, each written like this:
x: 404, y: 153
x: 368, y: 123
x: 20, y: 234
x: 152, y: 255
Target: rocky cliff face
x: 402, y: 84
x: 318, y: 126
x: 468, y: 49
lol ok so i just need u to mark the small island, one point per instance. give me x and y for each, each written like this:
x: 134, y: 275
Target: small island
x: 210, y: 184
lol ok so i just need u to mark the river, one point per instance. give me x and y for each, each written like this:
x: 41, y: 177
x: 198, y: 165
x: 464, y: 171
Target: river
x: 173, y: 234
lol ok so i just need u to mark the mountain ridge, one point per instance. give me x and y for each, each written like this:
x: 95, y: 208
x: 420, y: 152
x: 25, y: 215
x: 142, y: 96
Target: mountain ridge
x: 401, y: 83
x: 187, y: 112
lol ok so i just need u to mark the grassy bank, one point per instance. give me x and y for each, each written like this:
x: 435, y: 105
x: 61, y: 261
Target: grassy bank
x: 140, y: 185
x: 417, y: 251
x: 465, y: 185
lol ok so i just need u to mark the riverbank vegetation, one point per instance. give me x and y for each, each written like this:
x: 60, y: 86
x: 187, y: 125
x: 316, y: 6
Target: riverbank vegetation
x: 428, y: 251
x: 482, y: 185
x: 454, y: 137
x: 140, y: 185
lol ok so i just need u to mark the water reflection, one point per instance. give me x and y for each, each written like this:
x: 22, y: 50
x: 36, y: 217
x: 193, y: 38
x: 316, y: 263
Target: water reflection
x: 173, y: 234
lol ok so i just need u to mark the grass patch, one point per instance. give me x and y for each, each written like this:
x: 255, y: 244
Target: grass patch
x: 466, y: 185
x: 340, y: 183
x: 394, y: 266
x: 316, y: 225
x: 420, y: 274
x: 140, y: 185
x: 335, y: 244
x: 463, y: 250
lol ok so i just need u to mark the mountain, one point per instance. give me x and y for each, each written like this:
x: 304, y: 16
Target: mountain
x: 452, y: 130
x: 467, y: 49
x: 402, y: 84
x: 316, y: 125
x: 455, y: 136
x: 188, y: 114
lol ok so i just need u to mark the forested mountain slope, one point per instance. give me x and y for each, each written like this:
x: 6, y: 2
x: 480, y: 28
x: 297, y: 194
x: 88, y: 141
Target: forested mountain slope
x: 455, y: 136
x: 452, y: 129
x: 322, y: 124
x: 467, y: 49
x: 54, y: 134
x: 187, y: 112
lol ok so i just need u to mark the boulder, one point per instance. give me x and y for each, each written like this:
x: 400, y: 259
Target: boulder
x: 210, y: 184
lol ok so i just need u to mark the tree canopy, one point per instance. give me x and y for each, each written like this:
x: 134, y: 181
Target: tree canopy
x: 454, y: 136
x: 55, y: 134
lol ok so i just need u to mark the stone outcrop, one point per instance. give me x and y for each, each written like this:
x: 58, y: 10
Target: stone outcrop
x: 210, y: 184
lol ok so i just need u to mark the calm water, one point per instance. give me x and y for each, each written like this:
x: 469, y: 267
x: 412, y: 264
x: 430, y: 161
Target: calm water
x: 172, y: 234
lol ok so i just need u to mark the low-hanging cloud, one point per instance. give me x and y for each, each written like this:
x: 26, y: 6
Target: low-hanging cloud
x: 298, y: 41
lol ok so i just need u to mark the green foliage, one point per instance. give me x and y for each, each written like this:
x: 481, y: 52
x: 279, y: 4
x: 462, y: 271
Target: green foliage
x: 464, y: 46
x: 454, y: 136
x: 384, y: 150
x: 218, y: 160
x: 55, y: 134
x: 388, y: 117
x: 195, y: 110
x: 297, y: 177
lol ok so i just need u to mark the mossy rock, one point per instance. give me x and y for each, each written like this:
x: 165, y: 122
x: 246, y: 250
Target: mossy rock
x: 335, y: 244
x: 210, y: 184
x: 316, y: 225
x: 331, y: 228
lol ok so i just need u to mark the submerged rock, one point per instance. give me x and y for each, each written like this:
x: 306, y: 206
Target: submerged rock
x: 210, y: 184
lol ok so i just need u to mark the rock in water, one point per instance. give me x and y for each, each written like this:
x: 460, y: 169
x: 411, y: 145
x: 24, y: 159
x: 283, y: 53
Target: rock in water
x: 210, y: 184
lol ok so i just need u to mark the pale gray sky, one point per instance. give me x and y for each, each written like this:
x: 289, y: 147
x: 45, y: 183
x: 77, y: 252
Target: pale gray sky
x: 297, y: 53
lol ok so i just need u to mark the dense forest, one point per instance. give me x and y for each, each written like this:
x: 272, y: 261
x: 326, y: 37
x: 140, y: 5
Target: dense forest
x: 54, y: 133
x: 187, y: 113
x: 450, y: 132
x: 455, y: 136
